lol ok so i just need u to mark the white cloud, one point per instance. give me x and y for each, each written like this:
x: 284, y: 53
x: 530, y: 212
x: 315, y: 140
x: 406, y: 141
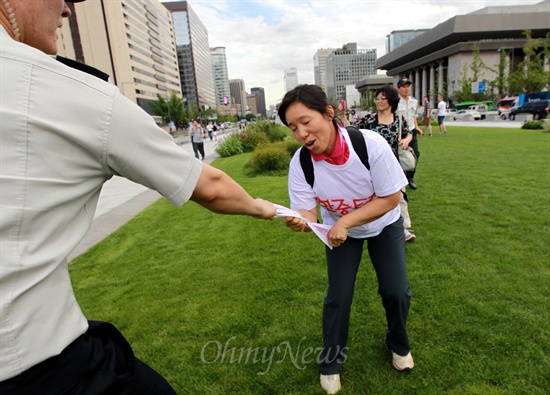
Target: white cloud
x: 263, y: 38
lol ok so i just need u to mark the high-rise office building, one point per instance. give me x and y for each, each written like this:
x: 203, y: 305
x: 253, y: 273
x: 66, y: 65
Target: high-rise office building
x: 252, y: 104
x: 399, y: 37
x: 221, y: 80
x: 260, y: 94
x: 195, y: 61
x: 347, y: 66
x: 238, y: 95
x: 291, y: 79
x: 132, y: 41
x: 320, y: 67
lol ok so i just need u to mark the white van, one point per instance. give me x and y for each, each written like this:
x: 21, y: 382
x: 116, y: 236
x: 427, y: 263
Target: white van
x: 480, y: 108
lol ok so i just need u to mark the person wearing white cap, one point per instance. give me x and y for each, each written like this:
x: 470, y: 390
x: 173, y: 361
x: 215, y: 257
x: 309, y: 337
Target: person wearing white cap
x: 63, y: 134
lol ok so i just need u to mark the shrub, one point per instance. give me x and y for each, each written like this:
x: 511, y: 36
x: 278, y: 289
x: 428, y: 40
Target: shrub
x: 275, y: 132
x: 230, y: 146
x: 268, y: 159
x: 291, y: 146
x: 250, y: 138
x: 533, y: 125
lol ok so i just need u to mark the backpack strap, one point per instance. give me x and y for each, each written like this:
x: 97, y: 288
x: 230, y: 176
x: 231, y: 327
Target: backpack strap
x: 307, y: 165
x: 359, y: 146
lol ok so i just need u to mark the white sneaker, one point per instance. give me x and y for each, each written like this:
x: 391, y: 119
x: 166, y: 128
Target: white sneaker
x: 331, y: 383
x: 402, y: 363
x: 409, y: 236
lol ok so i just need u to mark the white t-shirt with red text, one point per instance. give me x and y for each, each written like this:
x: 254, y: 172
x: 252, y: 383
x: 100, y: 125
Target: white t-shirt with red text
x: 340, y: 189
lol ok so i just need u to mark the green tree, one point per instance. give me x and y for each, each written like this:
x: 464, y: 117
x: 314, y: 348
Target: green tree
x: 530, y: 75
x: 171, y: 109
x: 501, y: 82
x: 473, y: 73
x: 192, y: 112
x: 464, y: 93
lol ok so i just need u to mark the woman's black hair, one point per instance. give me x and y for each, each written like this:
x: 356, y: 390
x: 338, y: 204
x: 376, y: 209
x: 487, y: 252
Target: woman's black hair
x: 310, y: 96
x: 391, y: 94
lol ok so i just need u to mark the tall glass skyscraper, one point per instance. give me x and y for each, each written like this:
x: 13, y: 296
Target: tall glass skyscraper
x: 221, y: 80
x: 260, y: 94
x: 195, y: 62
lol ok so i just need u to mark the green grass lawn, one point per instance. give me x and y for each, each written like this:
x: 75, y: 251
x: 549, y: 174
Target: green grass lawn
x: 232, y: 305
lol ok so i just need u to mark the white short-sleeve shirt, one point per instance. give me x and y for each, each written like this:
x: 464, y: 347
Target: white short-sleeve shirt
x: 407, y: 109
x: 340, y: 189
x: 63, y: 133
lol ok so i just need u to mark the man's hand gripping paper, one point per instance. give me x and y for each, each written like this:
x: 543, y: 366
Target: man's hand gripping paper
x: 319, y: 229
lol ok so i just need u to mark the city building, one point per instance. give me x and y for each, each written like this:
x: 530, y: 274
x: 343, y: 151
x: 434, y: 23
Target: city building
x: 347, y: 66
x: 260, y: 99
x: 194, y: 59
x: 320, y: 67
x: 291, y: 79
x: 252, y: 104
x: 435, y: 60
x: 238, y: 95
x: 399, y: 37
x: 132, y: 41
x: 221, y: 80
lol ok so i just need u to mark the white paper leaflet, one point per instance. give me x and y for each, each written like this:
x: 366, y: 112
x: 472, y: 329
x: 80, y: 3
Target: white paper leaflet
x: 319, y: 229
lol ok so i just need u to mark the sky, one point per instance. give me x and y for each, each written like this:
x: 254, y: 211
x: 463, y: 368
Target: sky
x: 262, y: 38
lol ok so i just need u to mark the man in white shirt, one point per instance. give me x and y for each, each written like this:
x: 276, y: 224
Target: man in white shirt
x: 407, y: 108
x: 441, y: 112
x: 63, y: 134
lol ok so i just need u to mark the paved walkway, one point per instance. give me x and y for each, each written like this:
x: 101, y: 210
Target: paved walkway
x: 121, y: 200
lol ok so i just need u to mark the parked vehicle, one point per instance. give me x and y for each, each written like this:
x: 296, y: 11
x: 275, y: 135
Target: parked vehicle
x: 504, y: 113
x: 465, y: 105
x: 538, y: 108
x: 527, y: 97
x: 466, y: 114
x: 481, y: 108
x: 506, y: 104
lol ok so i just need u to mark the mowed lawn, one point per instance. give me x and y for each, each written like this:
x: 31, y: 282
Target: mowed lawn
x: 232, y: 305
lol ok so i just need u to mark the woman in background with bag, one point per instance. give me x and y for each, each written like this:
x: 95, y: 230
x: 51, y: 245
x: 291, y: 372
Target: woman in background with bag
x: 386, y: 123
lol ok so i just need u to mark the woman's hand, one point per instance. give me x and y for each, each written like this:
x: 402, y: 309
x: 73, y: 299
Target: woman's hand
x: 404, y: 143
x: 296, y: 224
x: 338, y: 234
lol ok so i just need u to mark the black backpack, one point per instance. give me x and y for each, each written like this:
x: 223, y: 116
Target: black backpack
x: 359, y: 146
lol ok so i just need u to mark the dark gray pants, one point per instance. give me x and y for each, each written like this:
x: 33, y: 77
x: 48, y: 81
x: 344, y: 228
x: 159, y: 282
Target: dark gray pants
x: 100, y: 362
x: 387, y: 253
x: 198, y: 147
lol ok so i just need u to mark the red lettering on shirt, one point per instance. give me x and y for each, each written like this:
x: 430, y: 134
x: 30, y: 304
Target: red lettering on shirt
x: 340, y: 206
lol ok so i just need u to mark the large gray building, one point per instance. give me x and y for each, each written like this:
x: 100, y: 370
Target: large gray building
x: 347, y: 66
x: 435, y: 60
x: 131, y: 41
x: 195, y: 62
